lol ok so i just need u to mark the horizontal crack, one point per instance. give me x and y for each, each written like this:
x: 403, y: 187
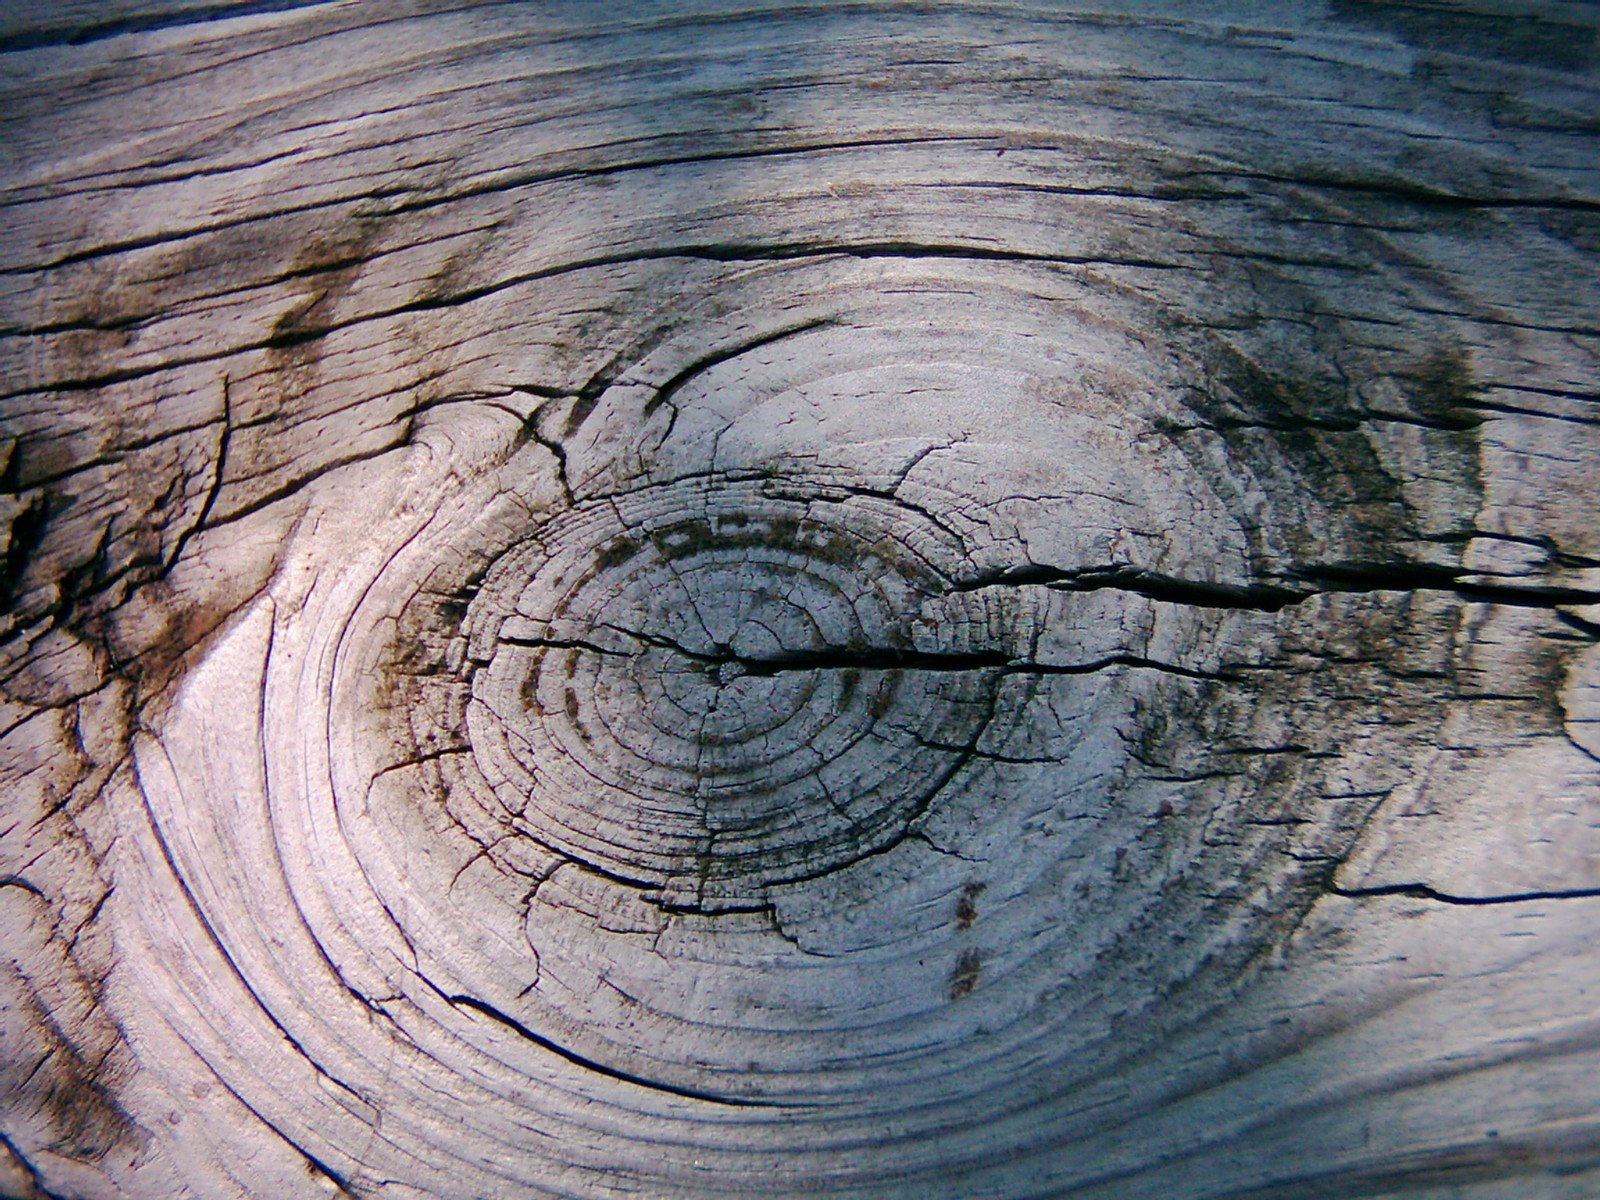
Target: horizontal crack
x: 870, y: 658
x: 1155, y: 586
x: 1412, y: 577
x: 862, y: 658
x: 889, y: 659
x: 540, y: 643
x: 1423, y: 891
x: 1316, y: 580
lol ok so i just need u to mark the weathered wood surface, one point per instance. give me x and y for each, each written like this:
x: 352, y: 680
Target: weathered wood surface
x: 864, y: 600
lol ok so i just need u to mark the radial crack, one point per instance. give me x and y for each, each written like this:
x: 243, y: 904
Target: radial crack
x: 1424, y: 891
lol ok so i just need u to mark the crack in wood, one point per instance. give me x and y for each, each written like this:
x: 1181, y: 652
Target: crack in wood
x: 872, y: 573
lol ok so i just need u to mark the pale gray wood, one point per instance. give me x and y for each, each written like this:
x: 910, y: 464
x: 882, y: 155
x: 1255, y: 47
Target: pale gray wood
x: 991, y: 601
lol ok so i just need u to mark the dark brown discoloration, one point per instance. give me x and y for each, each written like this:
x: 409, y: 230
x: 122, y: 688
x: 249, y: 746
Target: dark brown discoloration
x: 965, y: 974
x: 967, y: 904
x: 326, y: 271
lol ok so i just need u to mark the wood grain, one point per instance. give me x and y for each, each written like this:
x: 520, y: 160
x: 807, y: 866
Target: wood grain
x: 851, y: 600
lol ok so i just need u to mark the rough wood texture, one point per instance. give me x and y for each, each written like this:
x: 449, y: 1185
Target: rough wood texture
x: 866, y: 600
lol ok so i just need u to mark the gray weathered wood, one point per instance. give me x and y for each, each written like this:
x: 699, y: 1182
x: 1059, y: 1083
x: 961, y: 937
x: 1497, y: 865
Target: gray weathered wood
x: 838, y: 600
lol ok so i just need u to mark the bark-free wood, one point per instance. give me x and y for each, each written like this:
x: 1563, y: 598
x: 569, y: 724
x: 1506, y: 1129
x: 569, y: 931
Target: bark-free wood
x: 852, y: 600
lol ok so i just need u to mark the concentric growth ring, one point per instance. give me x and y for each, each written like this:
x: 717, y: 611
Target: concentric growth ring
x: 707, y: 690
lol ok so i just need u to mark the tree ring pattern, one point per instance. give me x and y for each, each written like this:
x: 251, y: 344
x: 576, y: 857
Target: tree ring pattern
x: 709, y: 690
